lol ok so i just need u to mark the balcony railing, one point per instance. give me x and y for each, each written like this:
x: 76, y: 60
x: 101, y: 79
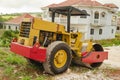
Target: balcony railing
x: 113, y: 23
x: 98, y: 22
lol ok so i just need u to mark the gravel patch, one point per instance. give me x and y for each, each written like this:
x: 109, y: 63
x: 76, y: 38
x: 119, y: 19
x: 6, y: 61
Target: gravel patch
x: 113, y: 62
x: 90, y: 75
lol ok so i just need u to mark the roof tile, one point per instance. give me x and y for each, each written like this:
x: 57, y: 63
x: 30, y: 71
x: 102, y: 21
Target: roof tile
x: 18, y: 19
x: 111, y: 5
x: 82, y: 2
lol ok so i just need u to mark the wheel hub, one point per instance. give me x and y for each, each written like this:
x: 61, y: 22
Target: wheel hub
x: 60, y: 58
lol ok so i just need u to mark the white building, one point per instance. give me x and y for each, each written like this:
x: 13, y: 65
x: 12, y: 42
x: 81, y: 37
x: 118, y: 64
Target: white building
x: 101, y: 24
x: 14, y: 24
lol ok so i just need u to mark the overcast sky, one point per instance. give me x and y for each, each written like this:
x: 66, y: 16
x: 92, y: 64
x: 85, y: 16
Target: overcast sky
x: 12, y: 6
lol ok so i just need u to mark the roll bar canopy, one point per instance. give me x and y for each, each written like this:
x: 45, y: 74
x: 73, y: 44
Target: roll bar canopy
x: 67, y: 11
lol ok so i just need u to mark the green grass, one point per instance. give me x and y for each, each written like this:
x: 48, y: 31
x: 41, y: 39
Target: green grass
x: 26, y: 78
x: 16, y: 67
x: 15, y: 59
x: 8, y: 70
x: 41, y: 77
x: 110, y: 42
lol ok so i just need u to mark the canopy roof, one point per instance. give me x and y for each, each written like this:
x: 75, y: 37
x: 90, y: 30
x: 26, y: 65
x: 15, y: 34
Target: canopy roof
x: 64, y: 11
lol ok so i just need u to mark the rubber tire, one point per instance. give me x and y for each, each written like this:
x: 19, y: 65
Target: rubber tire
x: 97, y: 47
x: 51, y: 51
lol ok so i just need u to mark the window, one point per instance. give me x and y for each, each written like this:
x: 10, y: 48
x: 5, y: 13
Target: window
x: 56, y: 14
x: 112, y: 31
x: 114, y: 18
x: 100, y: 31
x: 16, y: 28
x: 118, y: 28
x: 9, y: 27
x: 96, y: 15
x: 103, y: 14
x: 92, y: 31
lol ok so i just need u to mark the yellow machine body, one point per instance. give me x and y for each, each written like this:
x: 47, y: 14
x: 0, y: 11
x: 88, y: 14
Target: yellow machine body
x: 38, y: 26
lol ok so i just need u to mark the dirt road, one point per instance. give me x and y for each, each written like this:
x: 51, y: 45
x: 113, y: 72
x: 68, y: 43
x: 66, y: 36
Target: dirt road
x: 114, y: 56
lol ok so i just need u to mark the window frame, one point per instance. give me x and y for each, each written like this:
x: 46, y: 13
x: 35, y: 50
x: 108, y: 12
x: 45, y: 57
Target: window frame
x: 92, y: 31
x: 100, y: 31
x: 96, y: 15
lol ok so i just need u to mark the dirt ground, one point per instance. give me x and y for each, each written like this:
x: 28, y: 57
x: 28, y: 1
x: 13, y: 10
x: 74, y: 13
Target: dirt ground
x: 110, y: 69
x: 114, y: 56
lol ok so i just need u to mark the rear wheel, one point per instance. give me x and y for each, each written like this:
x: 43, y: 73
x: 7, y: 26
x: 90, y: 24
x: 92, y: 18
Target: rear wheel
x: 97, y: 47
x: 77, y: 60
x: 58, y: 58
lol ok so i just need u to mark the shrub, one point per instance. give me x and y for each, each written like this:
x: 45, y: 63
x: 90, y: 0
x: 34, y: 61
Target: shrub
x: 6, y: 37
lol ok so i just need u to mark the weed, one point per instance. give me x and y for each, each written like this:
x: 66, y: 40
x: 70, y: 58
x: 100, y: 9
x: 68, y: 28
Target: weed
x: 2, y: 56
x: 15, y: 59
x: 95, y: 71
x: 2, y: 53
x: 78, y: 68
x: 42, y: 77
x: 8, y: 70
x: 26, y: 78
x: 2, y: 64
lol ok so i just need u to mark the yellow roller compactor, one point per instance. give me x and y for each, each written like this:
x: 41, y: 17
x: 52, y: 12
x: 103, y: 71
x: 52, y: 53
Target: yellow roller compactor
x: 50, y: 44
